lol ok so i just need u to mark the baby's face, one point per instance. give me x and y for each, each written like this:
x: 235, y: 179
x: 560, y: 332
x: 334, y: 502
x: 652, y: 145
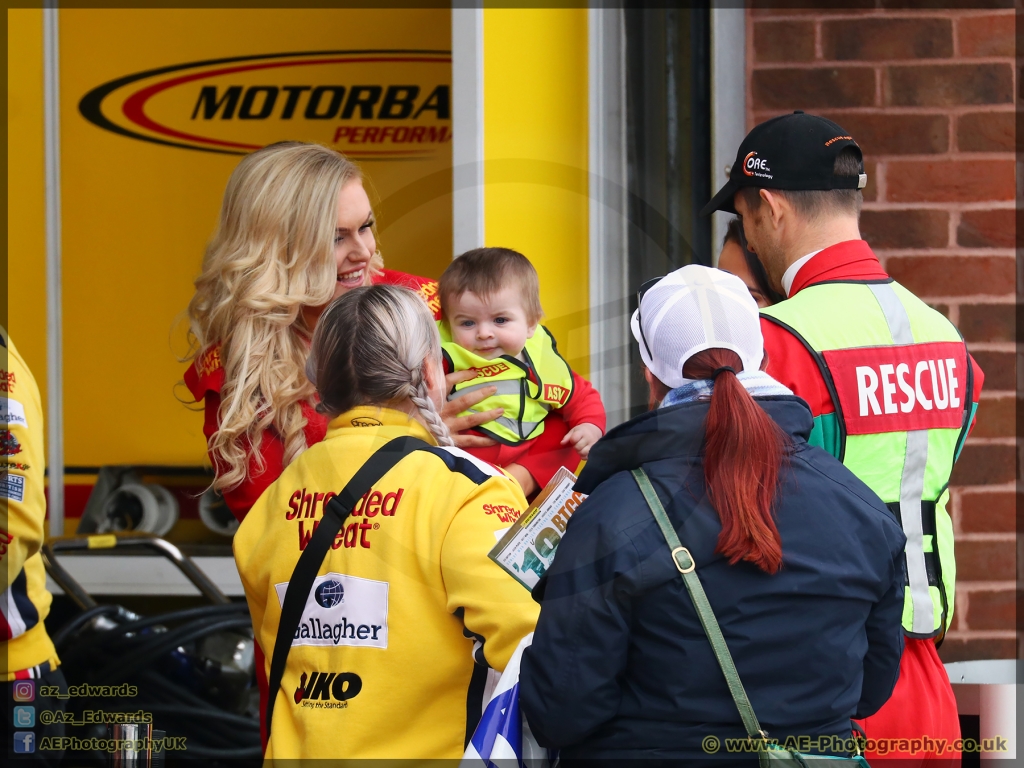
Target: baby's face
x: 490, y: 326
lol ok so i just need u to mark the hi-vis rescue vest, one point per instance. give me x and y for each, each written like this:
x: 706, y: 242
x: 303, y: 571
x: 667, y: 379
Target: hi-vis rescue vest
x: 527, y: 391
x: 901, y: 383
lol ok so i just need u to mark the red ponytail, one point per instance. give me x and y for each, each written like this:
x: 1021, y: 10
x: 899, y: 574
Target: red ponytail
x: 743, y: 453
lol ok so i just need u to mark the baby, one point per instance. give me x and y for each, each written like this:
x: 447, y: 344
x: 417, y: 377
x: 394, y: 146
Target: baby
x: 490, y: 315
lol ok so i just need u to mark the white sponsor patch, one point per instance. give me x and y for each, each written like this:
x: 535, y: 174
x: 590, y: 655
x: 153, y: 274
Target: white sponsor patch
x: 343, y: 610
x: 12, y: 486
x: 12, y: 413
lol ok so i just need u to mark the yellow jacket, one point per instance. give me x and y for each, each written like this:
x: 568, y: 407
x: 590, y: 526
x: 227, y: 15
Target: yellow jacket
x: 384, y: 664
x: 25, y: 602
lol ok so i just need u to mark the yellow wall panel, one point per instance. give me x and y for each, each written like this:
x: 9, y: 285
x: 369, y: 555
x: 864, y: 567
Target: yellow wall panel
x: 535, y: 150
x: 137, y: 215
x: 25, y: 301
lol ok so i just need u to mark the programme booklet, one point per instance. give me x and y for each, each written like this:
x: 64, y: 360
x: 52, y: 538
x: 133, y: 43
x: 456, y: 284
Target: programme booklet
x: 528, y: 547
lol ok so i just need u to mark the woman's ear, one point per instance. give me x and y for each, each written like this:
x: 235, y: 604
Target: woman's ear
x: 764, y: 361
x: 433, y: 377
x: 432, y: 374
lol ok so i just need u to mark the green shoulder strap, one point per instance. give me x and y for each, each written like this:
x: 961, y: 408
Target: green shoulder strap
x: 684, y: 563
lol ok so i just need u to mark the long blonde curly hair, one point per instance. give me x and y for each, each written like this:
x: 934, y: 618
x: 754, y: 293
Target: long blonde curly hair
x: 271, y: 255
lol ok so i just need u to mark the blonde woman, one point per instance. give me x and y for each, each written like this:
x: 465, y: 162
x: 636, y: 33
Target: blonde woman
x: 409, y: 613
x: 296, y: 231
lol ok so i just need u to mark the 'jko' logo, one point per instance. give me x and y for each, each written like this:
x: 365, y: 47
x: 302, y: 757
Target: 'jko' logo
x: 328, y: 686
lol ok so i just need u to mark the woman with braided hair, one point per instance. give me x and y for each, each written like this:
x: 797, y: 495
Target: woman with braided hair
x: 296, y: 231
x: 409, y: 612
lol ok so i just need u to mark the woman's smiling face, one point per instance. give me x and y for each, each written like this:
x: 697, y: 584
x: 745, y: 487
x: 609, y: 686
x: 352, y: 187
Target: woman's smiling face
x: 354, y: 243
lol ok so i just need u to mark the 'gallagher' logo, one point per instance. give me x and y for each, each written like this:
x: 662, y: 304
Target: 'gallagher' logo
x: 756, y: 166
x: 330, y: 594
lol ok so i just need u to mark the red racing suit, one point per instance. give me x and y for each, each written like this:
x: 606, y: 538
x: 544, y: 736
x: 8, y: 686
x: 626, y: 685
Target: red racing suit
x: 922, y: 704
x: 205, y: 378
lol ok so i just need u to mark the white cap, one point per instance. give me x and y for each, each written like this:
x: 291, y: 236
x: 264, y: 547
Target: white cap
x: 693, y: 309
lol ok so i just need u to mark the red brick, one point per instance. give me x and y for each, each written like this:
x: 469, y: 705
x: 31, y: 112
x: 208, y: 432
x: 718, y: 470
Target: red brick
x: 784, y: 41
x: 949, y: 181
x: 997, y: 417
x: 988, y: 229
x: 942, y: 309
x: 813, y: 88
x: 987, y: 132
x: 953, y: 276
x: 1000, y: 369
x: 989, y: 511
x: 985, y: 465
x: 986, y: 560
x: 761, y: 8
x: 992, y: 609
x: 887, y: 38
x: 986, y: 35
x: 948, y: 85
x: 895, y: 134
x: 871, y: 190
x: 976, y: 649
x: 988, y: 322
x: 933, y: 5
x: 905, y: 229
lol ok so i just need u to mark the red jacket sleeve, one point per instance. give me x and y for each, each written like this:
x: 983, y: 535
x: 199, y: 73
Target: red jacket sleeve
x: 546, y: 454
x: 241, y: 498
x: 979, y: 381
x: 790, y: 363
x: 585, y: 406
x: 204, y: 378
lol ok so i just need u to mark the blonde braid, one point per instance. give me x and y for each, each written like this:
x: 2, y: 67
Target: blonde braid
x: 421, y: 399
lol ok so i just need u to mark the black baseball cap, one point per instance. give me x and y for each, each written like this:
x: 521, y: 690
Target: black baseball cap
x: 794, y: 152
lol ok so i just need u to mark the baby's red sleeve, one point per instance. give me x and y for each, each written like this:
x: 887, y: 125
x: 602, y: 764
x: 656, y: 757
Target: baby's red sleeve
x: 546, y: 453
x: 585, y: 406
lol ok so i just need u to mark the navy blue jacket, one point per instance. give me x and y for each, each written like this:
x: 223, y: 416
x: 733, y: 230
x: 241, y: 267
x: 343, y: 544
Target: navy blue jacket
x: 620, y: 666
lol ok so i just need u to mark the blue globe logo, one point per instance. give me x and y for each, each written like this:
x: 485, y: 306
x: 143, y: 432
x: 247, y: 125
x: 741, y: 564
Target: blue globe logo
x: 329, y: 594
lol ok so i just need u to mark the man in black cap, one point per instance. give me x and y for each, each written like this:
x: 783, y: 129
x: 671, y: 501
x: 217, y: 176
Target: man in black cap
x: 890, y: 383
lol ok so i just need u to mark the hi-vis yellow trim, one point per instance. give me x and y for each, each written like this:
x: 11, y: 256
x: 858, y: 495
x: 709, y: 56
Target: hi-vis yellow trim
x: 525, y: 401
x: 104, y: 541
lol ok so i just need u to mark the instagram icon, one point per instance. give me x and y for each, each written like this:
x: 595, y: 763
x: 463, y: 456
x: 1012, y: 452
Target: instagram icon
x: 24, y: 690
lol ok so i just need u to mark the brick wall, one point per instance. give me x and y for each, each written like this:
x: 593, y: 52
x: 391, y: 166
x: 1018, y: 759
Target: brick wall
x: 929, y: 96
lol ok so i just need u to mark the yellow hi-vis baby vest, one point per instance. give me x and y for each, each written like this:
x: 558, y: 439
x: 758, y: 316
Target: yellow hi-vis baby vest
x: 527, y: 391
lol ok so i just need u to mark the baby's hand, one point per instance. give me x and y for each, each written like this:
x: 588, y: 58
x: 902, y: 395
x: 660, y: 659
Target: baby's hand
x: 581, y: 437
